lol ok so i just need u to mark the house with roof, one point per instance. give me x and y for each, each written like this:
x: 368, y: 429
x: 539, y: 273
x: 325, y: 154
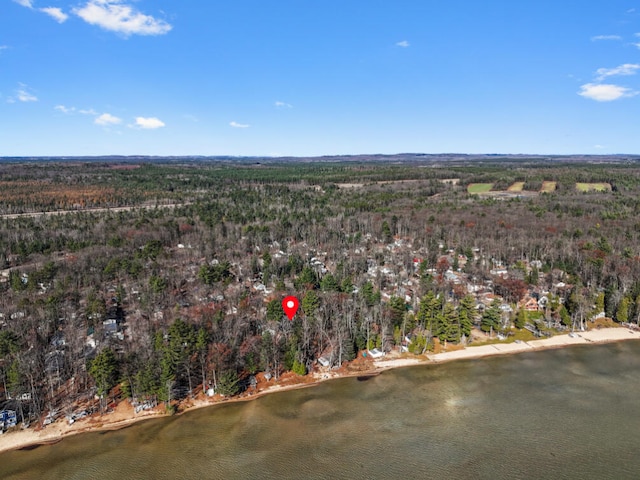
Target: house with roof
x: 375, y: 353
x: 543, y: 302
x: 499, y: 271
x: 529, y: 303
x: 113, y: 329
x: 8, y: 419
x: 324, y: 361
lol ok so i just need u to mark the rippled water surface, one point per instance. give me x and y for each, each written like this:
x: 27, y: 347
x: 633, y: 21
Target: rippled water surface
x: 568, y: 413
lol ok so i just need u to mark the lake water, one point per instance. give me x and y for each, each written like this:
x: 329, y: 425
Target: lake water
x: 567, y: 413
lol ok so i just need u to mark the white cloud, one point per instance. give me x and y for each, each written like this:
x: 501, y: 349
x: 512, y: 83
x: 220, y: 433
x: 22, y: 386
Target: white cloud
x: 605, y: 92
x: 115, y: 16
x: 150, y: 123
x: 626, y: 69
x: 599, y: 147
x: 24, y: 95
x: 403, y: 44
x: 239, y: 125
x: 3, y: 47
x: 63, y: 109
x: 25, y: 3
x: 57, y: 14
x: 283, y: 105
x: 605, y: 37
x: 107, y: 119
x: 73, y: 110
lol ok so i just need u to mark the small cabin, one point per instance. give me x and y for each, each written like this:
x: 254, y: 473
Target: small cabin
x: 375, y: 353
x: 8, y: 419
x: 324, y: 362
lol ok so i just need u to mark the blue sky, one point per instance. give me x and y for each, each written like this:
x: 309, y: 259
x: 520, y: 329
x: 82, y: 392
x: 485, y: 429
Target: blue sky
x: 318, y: 77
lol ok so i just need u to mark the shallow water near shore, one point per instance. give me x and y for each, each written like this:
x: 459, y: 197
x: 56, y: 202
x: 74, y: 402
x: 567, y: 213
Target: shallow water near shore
x: 566, y: 413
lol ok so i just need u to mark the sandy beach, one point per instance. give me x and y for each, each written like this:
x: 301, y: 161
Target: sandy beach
x: 603, y: 335
x: 124, y: 414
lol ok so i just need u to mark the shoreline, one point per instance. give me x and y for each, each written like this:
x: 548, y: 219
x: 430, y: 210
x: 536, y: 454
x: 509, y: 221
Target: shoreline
x: 56, y: 432
x: 595, y: 336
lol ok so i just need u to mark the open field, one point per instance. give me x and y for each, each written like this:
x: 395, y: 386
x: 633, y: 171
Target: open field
x: 381, y: 182
x: 57, y: 195
x: 450, y: 181
x: 548, y: 187
x: 516, y: 187
x: 474, y: 188
x: 593, y: 187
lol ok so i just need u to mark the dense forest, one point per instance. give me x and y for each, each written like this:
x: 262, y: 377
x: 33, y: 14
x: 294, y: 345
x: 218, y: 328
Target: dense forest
x: 157, y: 280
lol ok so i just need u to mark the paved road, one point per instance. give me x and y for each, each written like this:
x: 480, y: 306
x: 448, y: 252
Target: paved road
x: 91, y: 210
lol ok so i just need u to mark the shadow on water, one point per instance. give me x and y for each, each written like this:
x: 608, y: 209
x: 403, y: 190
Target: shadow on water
x: 364, y: 378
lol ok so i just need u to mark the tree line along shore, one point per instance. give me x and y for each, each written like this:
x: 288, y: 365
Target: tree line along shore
x: 125, y: 415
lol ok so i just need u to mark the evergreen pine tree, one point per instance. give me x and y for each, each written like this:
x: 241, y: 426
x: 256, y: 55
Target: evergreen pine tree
x: 329, y: 283
x: 491, y: 317
x: 449, y: 327
x: 622, y: 314
x: 466, y: 314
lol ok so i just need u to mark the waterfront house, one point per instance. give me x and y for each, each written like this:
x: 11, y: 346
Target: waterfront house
x: 8, y: 419
x: 530, y: 304
x: 375, y: 353
x: 324, y: 362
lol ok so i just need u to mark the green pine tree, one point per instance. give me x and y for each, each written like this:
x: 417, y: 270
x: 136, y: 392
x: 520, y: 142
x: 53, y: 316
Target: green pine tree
x: 329, y: 283
x: 449, y: 325
x: 299, y: 368
x: 346, y: 286
x: 104, y: 369
x: 310, y: 303
x: 491, y: 317
x: 427, y: 311
x: 398, y: 308
x: 307, y: 280
x: 622, y: 314
x: 599, y: 308
x: 274, y: 311
x: 467, y: 314
x: 370, y: 296
x: 229, y: 384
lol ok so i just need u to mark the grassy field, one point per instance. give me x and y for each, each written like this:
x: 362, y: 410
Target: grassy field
x: 591, y: 187
x: 479, y: 187
x: 548, y: 187
x: 516, y: 187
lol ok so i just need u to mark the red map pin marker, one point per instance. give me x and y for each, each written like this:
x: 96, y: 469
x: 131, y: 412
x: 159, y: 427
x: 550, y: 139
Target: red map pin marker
x: 290, y: 306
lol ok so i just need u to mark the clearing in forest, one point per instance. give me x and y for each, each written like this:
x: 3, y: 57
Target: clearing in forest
x: 593, y: 187
x: 548, y: 187
x: 479, y: 187
x: 449, y: 181
x: 516, y: 187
